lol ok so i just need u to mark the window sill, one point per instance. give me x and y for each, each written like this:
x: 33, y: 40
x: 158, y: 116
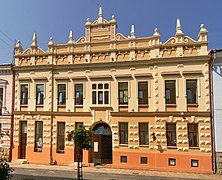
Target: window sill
x: 195, y: 148
x: 101, y: 106
x: 143, y: 105
x: 171, y: 105
x: 192, y: 105
x: 123, y: 105
x: 60, y: 151
x: 24, y: 105
x: 144, y: 146
x: 172, y: 147
x: 41, y: 105
x: 78, y: 105
x: 61, y: 106
x: 123, y: 145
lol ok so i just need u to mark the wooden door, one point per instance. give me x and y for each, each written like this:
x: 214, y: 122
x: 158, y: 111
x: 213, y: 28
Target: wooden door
x: 101, y: 149
x: 23, y: 139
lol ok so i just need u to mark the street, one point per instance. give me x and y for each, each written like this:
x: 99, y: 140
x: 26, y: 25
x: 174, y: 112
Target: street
x: 45, y: 174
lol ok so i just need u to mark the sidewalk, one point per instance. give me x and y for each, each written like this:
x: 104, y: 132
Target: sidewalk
x: 121, y: 171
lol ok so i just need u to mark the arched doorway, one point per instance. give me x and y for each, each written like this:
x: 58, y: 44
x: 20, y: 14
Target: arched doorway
x: 101, y: 144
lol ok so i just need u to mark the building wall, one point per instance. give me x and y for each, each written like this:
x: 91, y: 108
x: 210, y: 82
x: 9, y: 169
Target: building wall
x: 217, y: 106
x: 7, y: 83
x: 104, y: 56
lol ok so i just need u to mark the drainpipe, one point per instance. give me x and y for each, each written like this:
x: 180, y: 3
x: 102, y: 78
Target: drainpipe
x: 12, y: 113
x: 52, y: 106
x: 210, y: 66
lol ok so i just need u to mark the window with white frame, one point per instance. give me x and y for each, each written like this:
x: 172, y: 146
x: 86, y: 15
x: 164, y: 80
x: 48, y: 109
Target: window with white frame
x: 123, y: 93
x: 39, y: 94
x: 100, y: 93
x: 24, y: 94
x: 61, y: 94
x: 191, y: 90
x: 143, y: 93
x: 78, y: 94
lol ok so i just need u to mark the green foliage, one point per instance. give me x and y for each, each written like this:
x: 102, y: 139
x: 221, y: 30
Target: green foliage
x: 82, y: 137
x: 5, y: 170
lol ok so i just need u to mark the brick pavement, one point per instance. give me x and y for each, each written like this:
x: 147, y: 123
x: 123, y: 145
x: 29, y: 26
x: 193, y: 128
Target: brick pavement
x: 122, y: 171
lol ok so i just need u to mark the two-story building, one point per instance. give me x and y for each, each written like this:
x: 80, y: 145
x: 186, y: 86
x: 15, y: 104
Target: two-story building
x: 148, y: 102
x: 216, y: 98
x: 6, y: 109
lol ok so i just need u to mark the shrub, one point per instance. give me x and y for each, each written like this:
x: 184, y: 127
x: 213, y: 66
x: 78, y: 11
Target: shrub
x: 5, y: 170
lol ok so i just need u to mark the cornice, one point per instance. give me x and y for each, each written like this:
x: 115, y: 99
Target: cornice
x: 116, y: 64
x: 48, y: 113
x: 162, y: 114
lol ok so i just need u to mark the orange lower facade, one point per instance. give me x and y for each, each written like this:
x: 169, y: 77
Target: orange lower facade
x: 156, y: 160
x: 156, y: 155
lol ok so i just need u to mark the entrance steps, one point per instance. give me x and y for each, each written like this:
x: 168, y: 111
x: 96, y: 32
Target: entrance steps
x: 20, y: 161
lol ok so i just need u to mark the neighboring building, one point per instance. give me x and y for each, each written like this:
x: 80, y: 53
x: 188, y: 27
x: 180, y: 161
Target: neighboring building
x: 148, y: 102
x: 216, y: 98
x: 6, y: 109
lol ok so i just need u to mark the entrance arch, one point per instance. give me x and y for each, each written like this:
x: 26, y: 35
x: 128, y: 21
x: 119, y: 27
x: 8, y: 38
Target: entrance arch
x: 102, y: 144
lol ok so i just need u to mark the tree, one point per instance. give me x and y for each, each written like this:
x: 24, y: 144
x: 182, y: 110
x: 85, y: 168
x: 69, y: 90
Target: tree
x: 5, y: 170
x: 82, y: 139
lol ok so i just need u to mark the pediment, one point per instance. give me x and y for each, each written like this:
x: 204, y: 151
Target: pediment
x: 81, y: 40
x: 170, y: 41
x: 120, y: 36
x: 188, y: 39
x: 29, y: 51
x: 103, y: 22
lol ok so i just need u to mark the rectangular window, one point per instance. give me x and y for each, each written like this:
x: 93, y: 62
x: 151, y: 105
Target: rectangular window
x: 191, y: 91
x: 60, y: 137
x: 143, y: 160
x: 143, y: 92
x: 170, y: 92
x: 143, y: 134
x: 100, y: 93
x: 123, y: 93
x: 24, y: 94
x: 171, y: 134
x: 194, y: 163
x: 172, y: 162
x: 39, y: 94
x: 193, y: 135
x: 38, y: 136
x: 123, y: 133
x: 61, y: 94
x: 1, y: 100
x: 123, y: 159
x: 78, y: 94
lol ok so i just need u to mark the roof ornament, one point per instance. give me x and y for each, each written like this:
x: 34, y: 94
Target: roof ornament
x: 50, y: 42
x: 100, y: 18
x: 132, y: 33
x: 34, y: 41
x: 18, y: 44
x: 178, y: 28
x: 70, y: 37
x: 202, y: 28
x: 113, y: 19
x: 156, y: 32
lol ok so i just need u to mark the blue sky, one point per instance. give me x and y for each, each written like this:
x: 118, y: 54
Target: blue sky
x: 19, y: 19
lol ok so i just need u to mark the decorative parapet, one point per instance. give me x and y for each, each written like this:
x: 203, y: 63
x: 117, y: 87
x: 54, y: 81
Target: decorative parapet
x: 102, y: 43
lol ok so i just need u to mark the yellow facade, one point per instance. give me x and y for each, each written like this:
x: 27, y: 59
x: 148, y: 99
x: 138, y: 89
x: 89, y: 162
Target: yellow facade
x: 104, y: 56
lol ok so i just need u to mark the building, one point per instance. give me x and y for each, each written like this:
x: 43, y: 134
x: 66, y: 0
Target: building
x: 148, y: 102
x: 216, y: 99
x: 6, y: 109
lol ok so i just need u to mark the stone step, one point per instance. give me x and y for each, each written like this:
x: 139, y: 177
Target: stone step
x: 20, y: 161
